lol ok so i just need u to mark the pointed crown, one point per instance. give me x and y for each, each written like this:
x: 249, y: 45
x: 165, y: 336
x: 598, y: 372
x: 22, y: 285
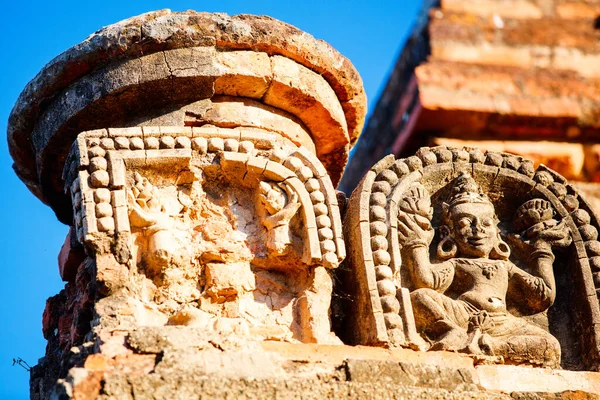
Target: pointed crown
x: 466, y: 190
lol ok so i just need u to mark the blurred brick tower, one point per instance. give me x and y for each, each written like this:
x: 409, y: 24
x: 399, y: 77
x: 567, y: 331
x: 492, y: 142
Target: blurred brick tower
x: 521, y: 76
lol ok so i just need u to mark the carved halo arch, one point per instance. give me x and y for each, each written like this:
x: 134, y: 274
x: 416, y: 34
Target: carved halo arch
x: 103, y: 156
x: 375, y: 260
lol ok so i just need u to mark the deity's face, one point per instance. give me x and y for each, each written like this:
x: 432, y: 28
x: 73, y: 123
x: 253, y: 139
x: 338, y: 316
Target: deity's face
x: 474, y: 229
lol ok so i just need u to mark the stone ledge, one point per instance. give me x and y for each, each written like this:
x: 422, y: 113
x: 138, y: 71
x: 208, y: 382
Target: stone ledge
x: 319, y: 371
x: 525, y: 9
x: 499, y: 80
x: 188, y: 386
x: 549, y: 31
x: 509, y: 378
x: 398, y: 365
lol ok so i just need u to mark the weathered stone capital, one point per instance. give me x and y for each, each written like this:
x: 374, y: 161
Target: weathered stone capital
x: 154, y: 68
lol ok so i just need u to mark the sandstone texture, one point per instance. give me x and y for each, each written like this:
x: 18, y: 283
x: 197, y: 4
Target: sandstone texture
x: 222, y: 237
x: 195, y: 158
x: 148, y: 67
x: 274, y: 370
x: 462, y: 248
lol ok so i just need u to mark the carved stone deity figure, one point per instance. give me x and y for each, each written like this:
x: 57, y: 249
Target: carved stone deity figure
x: 164, y: 243
x: 460, y: 301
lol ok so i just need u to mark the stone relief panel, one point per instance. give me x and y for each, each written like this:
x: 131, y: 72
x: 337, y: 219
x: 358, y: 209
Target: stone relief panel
x: 473, y: 252
x: 230, y: 230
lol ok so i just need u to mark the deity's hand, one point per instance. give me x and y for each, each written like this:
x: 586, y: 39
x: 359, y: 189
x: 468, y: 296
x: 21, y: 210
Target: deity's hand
x: 139, y: 215
x: 544, y: 235
x: 417, y: 202
x: 555, y: 234
x: 145, y: 208
x: 414, y: 230
x: 538, y: 229
x: 146, y: 194
x: 414, y: 218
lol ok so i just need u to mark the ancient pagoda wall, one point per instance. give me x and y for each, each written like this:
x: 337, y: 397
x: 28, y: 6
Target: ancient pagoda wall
x: 195, y: 157
x: 515, y: 76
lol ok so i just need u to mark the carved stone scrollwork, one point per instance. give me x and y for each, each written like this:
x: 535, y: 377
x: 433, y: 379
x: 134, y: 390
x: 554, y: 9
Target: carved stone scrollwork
x: 277, y: 204
x: 214, y: 224
x: 461, y: 250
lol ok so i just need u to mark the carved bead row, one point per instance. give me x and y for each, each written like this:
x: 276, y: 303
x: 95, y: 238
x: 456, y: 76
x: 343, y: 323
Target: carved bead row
x: 439, y: 155
x: 589, y: 234
x: 202, y: 145
x: 317, y: 198
x: 381, y: 189
x: 581, y: 218
x: 388, y: 178
x: 98, y: 164
x: 145, y: 143
x: 214, y: 145
x: 99, y: 181
x: 99, y: 178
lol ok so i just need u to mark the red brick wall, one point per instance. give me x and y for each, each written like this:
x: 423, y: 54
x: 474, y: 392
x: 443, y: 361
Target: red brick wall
x: 504, y: 73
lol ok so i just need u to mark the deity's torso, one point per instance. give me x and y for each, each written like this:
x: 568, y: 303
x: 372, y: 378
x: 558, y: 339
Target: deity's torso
x: 484, y: 282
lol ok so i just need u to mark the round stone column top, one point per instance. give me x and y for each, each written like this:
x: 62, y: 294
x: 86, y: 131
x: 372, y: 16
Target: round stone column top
x: 31, y: 130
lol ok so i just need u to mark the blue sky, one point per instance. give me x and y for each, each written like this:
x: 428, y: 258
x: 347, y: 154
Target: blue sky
x: 33, y: 32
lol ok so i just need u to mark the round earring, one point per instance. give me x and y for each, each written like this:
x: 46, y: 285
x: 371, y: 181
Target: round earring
x: 501, y: 251
x: 447, y: 248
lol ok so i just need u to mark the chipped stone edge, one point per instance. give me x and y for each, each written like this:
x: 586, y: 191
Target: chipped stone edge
x: 235, y: 148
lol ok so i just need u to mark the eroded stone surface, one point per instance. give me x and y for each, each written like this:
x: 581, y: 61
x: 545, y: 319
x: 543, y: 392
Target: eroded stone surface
x: 205, y: 205
x: 277, y: 370
x: 194, y: 156
x: 215, y: 225
x: 200, y: 239
x: 199, y: 55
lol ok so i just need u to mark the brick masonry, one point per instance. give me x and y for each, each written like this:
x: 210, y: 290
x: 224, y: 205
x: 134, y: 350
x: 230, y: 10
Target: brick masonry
x: 521, y: 73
